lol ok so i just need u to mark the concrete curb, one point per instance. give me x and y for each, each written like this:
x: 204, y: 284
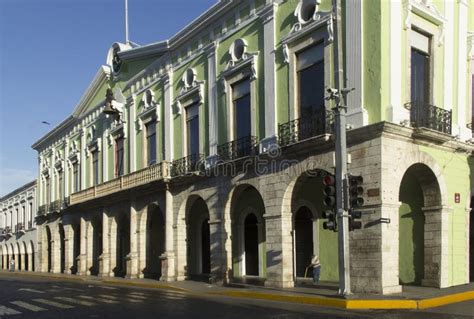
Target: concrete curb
x: 361, y: 304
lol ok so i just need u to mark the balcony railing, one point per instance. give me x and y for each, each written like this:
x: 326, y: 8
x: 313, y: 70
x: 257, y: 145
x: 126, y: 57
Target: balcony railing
x: 19, y: 228
x: 246, y: 146
x: 188, y: 164
x: 318, y: 123
x: 423, y: 115
x: 55, y: 207
x: 30, y: 224
x: 8, y: 231
x: 42, y: 210
x: 144, y: 176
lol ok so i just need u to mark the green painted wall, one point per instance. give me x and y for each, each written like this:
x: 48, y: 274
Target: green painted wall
x: 411, y: 231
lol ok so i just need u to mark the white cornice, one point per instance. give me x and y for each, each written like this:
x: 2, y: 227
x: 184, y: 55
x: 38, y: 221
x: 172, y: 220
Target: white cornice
x: 102, y: 74
x: 158, y: 48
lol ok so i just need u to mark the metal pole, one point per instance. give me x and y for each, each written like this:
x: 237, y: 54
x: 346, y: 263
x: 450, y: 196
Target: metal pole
x: 126, y: 22
x: 341, y: 154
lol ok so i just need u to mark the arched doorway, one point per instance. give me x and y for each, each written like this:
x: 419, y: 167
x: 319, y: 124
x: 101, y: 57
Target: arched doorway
x: 96, y: 245
x: 303, y: 231
x: 19, y: 261
x: 2, y: 256
x: 420, y: 200
x: 155, y: 225
x: 48, y: 248
x: 32, y: 252
x: 26, y: 259
x: 76, y: 228
x: 248, y: 235
x: 123, y: 246
x: 198, y: 240
x: 309, y: 237
x: 62, y: 244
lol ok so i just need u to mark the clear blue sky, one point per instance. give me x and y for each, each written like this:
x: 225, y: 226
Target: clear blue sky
x: 50, y: 50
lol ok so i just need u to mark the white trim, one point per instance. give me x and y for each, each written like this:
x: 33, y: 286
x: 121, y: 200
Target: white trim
x: 168, y: 120
x: 464, y: 132
x: 449, y: 55
x: 212, y: 98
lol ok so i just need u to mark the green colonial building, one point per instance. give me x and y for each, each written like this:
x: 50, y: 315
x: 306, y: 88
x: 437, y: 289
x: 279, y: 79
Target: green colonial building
x: 202, y: 156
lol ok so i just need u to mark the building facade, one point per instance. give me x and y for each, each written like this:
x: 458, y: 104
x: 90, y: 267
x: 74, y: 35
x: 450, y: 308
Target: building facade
x: 202, y: 156
x: 18, y: 228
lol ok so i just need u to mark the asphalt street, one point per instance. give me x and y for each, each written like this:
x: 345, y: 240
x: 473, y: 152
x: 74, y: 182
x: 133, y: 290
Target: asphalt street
x: 26, y: 297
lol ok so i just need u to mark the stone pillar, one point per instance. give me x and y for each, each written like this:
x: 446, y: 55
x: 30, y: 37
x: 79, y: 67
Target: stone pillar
x: 82, y: 262
x: 374, y: 252
x: 113, y: 246
x: 280, y: 243
x: 212, y: 95
x: 89, y: 247
x: 104, y: 259
x: 22, y: 265
x: 436, y: 271
x: 168, y: 258
x: 69, y: 248
x: 55, y: 250
x: 143, y: 238
x: 132, y: 258
x: 168, y: 112
x: 30, y: 262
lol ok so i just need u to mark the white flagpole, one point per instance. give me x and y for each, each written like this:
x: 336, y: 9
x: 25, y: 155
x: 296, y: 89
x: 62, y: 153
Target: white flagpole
x: 126, y: 22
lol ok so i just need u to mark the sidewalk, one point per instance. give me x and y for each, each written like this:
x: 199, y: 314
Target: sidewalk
x: 323, y: 295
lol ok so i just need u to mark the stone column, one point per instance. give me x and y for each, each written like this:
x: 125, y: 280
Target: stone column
x: 436, y: 271
x: 82, y: 262
x: 132, y: 258
x: 113, y: 246
x: 55, y: 250
x: 168, y: 112
x: 104, y: 259
x: 30, y: 262
x: 280, y: 243
x: 68, y: 248
x: 168, y: 258
x: 42, y: 249
x: 90, y: 247
x: 143, y: 238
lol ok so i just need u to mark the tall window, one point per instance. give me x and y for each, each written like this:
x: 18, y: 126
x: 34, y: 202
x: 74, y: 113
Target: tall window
x: 76, y: 177
x: 95, y: 167
x: 192, y: 129
x: 47, y: 191
x: 119, y: 157
x: 310, y: 77
x: 30, y: 216
x: 151, y: 142
x: 420, y: 68
x: 241, y: 104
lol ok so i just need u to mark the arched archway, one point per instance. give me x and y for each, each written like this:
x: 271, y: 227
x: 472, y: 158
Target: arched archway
x: 123, y: 245
x: 309, y: 237
x: 26, y: 257
x: 155, y: 241
x: 32, y: 252
x: 76, y: 228
x: 198, y: 239
x: 2, y: 256
x: 420, y: 199
x: 48, y: 248
x: 96, y: 225
x: 19, y: 260
x: 248, y: 233
x: 62, y: 248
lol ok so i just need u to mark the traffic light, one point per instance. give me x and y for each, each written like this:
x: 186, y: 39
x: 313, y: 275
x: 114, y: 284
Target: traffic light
x: 356, y: 191
x: 354, y: 222
x: 330, y: 224
x: 329, y: 191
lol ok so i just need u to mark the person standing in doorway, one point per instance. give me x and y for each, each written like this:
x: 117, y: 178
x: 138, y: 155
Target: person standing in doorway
x: 12, y: 264
x: 316, y: 268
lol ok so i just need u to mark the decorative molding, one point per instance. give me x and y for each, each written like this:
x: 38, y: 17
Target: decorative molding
x: 187, y: 94
x: 249, y: 60
x: 303, y: 11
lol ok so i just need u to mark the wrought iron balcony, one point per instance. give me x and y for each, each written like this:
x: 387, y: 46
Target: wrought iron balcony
x: 318, y: 123
x: 30, y: 224
x: 188, y: 165
x: 7, y: 231
x: 144, y: 176
x: 246, y: 146
x: 423, y: 115
x: 55, y: 207
x: 42, y: 210
x: 19, y: 228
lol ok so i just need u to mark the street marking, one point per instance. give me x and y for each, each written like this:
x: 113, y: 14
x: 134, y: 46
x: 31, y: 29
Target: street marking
x: 110, y: 288
x: 53, y: 303
x: 75, y: 301
x: 28, y: 306
x: 109, y: 297
x: 137, y: 296
x: 110, y: 301
x: 31, y: 290
x: 137, y: 293
x: 4, y: 311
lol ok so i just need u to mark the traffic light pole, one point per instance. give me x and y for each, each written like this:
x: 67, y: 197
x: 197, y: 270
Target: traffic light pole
x: 340, y: 110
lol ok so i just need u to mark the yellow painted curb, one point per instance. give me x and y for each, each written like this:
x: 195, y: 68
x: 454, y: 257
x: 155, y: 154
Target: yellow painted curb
x: 382, y: 304
x: 445, y: 300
